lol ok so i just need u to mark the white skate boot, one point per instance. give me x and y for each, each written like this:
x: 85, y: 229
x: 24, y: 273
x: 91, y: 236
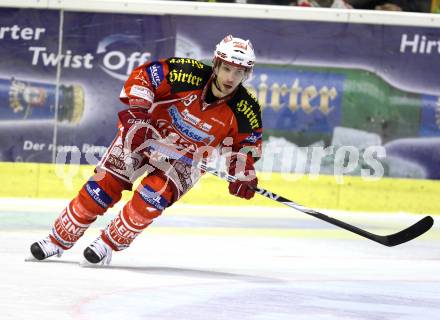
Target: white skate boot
x: 45, y: 248
x: 98, y: 251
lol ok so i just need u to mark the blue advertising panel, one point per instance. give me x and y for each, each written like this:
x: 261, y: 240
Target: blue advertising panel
x: 430, y: 116
x: 281, y: 92
x: 98, y: 52
x: 380, y: 80
x: 27, y: 92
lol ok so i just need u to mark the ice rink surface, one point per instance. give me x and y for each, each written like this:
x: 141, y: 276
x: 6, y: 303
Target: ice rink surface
x: 223, y: 263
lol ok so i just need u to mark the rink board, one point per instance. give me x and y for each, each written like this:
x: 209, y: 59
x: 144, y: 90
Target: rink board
x: 354, y: 194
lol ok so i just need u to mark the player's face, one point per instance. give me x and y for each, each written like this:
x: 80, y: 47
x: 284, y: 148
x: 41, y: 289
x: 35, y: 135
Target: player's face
x: 229, y: 77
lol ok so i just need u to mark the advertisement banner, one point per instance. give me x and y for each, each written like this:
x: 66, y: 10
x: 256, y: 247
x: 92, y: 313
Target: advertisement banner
x: 338, y: 84
x: 27, y: 91
x: 98, y: 52
x: 319, y: 84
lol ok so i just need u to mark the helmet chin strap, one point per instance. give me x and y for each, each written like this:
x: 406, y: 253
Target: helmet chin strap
x: 216, y: 84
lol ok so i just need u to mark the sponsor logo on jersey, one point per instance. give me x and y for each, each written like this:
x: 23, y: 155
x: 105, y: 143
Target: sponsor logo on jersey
x: 205, y: 126
x: 186, y: 129
x: 142, y: 92
x: 252, y: 138
x: 97, y: 194
x: 155, y: 72
x: 182, y: 61
x: 183, y: 77
x: 196, y: 121
x: 139, y: 102
x: 152, y: 198
x: 247, y: 110
x: 190, y: 118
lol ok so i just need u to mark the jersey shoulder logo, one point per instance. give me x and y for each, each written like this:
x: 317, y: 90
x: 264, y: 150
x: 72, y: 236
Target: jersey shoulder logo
x: 247, y: 111
x: 187, y: 74
x: 184, y: 62
x: 155, y: 73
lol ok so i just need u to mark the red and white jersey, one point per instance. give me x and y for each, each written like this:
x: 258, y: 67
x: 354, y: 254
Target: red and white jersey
x: 174, y: 92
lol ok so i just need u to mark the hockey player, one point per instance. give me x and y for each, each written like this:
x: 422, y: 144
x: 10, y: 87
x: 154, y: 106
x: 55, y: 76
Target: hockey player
x: 179, y: 109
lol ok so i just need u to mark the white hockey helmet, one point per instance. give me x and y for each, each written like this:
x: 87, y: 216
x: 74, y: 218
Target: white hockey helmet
x: 235, y: 51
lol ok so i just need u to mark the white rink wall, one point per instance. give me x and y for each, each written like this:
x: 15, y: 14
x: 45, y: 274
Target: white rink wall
x: 232, y: 10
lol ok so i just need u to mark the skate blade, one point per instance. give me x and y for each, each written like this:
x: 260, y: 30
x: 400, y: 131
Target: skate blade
x: 49, y: 260
x: 31, y: 258
x: 86, y: 264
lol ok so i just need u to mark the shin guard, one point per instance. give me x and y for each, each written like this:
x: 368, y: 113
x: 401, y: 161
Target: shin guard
x: 149, y: 200
x: 68, y: 228
x: 101, y: 192
x: 121, y: 231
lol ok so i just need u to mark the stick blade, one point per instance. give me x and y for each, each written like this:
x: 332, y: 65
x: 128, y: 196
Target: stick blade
x: 409, y: 233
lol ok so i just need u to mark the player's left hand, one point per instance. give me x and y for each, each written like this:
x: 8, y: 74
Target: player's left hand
x: 243, y: 189
x: 244, y: 186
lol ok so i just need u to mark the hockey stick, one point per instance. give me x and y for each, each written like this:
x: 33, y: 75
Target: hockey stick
x: 391, y: 240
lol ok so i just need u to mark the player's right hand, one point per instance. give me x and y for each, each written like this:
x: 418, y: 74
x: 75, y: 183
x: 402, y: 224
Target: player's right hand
x: 136, y: 119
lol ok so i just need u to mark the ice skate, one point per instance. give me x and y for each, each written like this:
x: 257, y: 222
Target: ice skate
x: 45, y: 248
x: 98, y: 252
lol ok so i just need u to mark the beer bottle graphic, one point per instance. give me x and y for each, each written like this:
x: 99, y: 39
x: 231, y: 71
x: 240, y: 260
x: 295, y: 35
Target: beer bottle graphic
x: 435, y: 6
x: 29, y: 100
x: 305, y: 104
